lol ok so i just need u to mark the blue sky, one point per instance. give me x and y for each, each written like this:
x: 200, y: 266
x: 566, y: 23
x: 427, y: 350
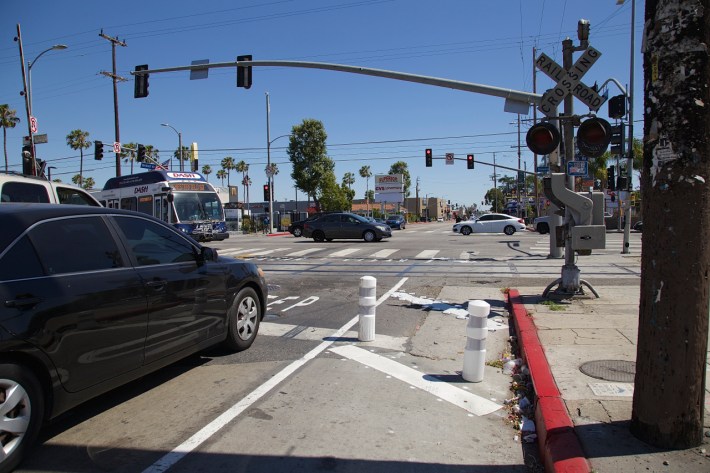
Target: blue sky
x: 369, y: 120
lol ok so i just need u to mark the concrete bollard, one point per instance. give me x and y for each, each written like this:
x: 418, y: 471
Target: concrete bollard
x: 474, y: 357
x: 368, y: 302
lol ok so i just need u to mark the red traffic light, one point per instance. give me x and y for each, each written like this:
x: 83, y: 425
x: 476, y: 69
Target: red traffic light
x: 428, y: 157
x: 543, y: 138
x: 469, y: 161
x: 593, y: 137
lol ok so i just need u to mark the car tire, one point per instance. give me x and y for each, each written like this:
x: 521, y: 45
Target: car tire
x: 465, y: 230
x: 298, y: 232
x: 23, y: 390
x: 543, y: 228
x: 369, y: 236
x: 318, y: 236
x: 509, y: 230
x: 243, y: 320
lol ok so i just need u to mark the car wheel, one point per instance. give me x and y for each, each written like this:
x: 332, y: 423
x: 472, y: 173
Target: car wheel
x: 22, y: 407
x: 465, y: 230
x: 297, y: 232
x: 543, y: 228
x: 509, y: 230
x: 243, y: 320
x: 369, y: 236
x: 318, y: 236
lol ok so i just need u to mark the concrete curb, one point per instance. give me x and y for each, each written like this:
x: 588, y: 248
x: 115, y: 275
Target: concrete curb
x: 560, y: 448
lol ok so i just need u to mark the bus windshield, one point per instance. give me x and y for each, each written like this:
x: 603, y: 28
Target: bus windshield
x: 191, y: 206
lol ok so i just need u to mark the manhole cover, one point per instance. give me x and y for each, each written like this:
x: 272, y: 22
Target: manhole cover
x: 610, y: 370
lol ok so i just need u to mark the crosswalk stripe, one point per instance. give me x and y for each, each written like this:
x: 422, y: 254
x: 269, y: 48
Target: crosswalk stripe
x: 246, y: 250
x: 384, y: 253
x: 267, y: 252
x: 345, y: 252
x: 304, y: 252
x: 426, y: 254
x: 230, y: 251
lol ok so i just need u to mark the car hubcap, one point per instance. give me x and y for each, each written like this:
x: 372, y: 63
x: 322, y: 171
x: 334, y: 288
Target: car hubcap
x: 15, y: 413
x: 247, y: 314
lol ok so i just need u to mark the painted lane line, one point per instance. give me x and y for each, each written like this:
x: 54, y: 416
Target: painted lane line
x: 267, y: 252
x: 345, y: 252
x: 426, y: 254
x: 238, y: 251
x: 197, y: 439
x: 472, y: 403
x: 383, y: 253
x: 271, y: 329
x: 304, y: 252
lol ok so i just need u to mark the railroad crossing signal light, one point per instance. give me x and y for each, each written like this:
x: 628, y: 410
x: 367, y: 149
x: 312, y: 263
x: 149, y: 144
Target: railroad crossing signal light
x: 617, y: 106
x: 469, y: 161
x: 593, y: 137
x: 98, y: 150
x: 141, y: 154
x: 244, y: 72
x: 617, y: 140
x: 543, y: 138
x: 140, y: 86
x: 428, y: 157
x: 266, y: 192
x: 610, y: 183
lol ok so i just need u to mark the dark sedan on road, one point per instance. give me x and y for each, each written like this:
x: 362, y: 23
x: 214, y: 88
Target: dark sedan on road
x: 96, y: 297
x: 396, y: 221
x: 345, y: 226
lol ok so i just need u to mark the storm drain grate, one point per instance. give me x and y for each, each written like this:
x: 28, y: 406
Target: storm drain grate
x: 610, y: 370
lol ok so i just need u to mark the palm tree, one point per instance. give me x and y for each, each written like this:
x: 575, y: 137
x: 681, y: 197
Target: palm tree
x: 367, y: 174
x: 221, y: 174
x: 228, y: 165
x: 7, y: 120
x: 78, y: 139
x: 128, y: 153
x: 243, y: 167
x: 348, y: 179
x: 207, y: 170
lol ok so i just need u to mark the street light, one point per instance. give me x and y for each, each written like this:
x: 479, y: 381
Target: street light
x: 29, y: 71
x: 269, y: 174
x: 179, y: 147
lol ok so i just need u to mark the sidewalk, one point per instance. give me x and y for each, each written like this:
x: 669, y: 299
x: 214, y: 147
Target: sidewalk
x: 582, y: 420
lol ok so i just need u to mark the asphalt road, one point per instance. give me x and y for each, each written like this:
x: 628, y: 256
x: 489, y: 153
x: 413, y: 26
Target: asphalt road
x: 307, y: 396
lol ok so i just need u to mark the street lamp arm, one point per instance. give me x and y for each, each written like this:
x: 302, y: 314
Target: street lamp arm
x: 56, y: 46
x: 621, y: 87
x: 270, y: 142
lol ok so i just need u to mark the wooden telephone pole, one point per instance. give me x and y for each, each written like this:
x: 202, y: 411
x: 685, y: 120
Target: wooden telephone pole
x: 116, y: 78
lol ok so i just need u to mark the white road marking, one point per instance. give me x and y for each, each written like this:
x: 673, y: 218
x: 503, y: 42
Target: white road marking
x: 296, y: 332
x: 426, y: 254
x: 304, y: 252
x: 473, y: 403
x: 237, y: 251
x: 345, y: 252
x: 174, y: 456
x: 267, y: 252
x: 384, y: 253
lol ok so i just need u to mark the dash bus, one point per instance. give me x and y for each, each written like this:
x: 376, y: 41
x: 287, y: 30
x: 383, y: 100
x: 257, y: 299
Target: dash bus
x: 183, y: 199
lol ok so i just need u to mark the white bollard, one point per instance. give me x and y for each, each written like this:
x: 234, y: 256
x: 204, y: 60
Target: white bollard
x: 368, y: 302
x: 474, y: 357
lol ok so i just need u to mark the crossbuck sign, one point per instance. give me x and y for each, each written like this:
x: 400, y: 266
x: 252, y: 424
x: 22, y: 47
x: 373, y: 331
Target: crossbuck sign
x: 569, y: 81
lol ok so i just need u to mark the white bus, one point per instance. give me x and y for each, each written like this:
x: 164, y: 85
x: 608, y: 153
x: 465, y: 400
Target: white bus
x: 183, y: 199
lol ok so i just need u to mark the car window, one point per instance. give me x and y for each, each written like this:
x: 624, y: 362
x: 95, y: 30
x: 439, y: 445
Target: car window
x: 331, y: 218
x: 67, y: 195
x: 24, y: 192
x: 152, y: 243
x: 20, y: 261
x: 75, y: 244
x: 485, y: 218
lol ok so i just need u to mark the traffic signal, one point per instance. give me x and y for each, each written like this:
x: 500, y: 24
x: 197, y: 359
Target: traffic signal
x: 266, y: 192
x: 140, y: 85
x: 28, y: 165
x: 244, y: 72
x: 593, y: 137
x: 610, y: 182
x: 617, y: 106
x: 428, y: 157
x: 543, y: 138
x: 617, y: 140
x: 98, y: 150
x: 469, y: 161
x: 141, y: 154
x: 622, y: 183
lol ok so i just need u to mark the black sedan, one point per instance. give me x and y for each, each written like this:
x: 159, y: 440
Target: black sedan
x: 96, y: 297
x: 345, y: 226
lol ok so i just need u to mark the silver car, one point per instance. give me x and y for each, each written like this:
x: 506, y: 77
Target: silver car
x: 491, y: 223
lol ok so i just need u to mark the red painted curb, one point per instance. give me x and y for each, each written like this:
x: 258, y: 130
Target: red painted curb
x: 559, y: 445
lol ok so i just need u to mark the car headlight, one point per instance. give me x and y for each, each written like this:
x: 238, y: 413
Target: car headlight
x: 381, y: 228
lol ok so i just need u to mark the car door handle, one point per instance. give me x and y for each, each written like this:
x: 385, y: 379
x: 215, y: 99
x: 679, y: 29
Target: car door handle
x: 22, y: 302
x: 156, y: 285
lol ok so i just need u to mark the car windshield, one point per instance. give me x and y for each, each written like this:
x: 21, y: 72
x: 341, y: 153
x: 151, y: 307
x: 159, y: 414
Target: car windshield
x: 361, y: 218
x: 191, y: 206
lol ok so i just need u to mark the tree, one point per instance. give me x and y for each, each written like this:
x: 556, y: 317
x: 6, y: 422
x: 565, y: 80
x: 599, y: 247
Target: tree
x: 207, y: 170
x: 274, y: 169
x: 369, y: 195
x: 87, y: 183
x: 186, y: 154
x: 128, y: 153
x: 367, y: 174
x: 495, y: 198
x: 307, y: 152
x: 671, y: 356
x: 243, y: 167
x: 221, y: 174
x: 228, y: 165
x: 78, y: 139
x: 332, y: 196
x: 7, y: 120
x: 400, y: 167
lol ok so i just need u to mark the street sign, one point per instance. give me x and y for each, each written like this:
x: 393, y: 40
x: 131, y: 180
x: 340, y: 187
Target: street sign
x: 577, y: 168
x: 148, y: 165
x: 569, y: 82
x: 543, y: 169
x: 116, y: 147
x: 33, y: 124
x: 39, y: 138
x: 449, y: 158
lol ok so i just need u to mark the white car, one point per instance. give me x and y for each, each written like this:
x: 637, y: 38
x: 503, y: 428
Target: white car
x: 491, y: 223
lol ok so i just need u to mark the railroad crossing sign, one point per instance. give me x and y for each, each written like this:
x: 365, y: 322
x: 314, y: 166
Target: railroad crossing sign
x: 569, y: 81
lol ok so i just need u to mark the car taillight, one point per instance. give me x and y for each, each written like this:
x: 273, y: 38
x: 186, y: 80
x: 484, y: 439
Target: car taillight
x: 520, y: 220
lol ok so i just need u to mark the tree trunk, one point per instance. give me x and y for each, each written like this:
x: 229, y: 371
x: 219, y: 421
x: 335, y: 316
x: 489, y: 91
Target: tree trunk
x: 675, y: 279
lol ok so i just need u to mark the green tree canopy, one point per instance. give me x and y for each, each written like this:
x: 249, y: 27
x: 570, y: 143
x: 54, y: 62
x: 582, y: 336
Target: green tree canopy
x: 79, y: 140
x: 400, y: 167
x: 308, y: 155
x: 332, y: 196
x: 8, y: 119
x: 495, y: 198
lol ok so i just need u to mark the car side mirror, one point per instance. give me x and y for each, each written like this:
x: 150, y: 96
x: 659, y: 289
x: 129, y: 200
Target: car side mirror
x: 208, y: 254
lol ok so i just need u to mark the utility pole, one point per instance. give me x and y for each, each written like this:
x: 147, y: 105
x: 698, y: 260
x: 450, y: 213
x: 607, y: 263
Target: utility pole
x: 630, y: 156
x: 671, y: 356
x: 419, y: 204
x: 116, y: 78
